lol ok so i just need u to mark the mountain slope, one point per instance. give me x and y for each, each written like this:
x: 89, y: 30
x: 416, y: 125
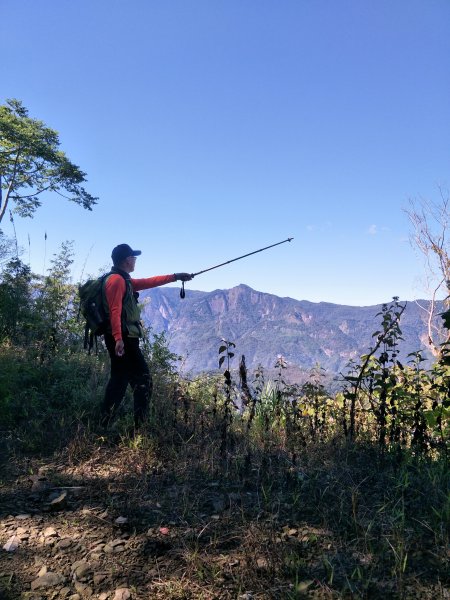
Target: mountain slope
x: 264, y: 326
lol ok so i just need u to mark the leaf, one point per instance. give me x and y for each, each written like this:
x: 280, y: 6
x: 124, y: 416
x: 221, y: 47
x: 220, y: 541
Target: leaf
x: 222, y: 349
x: 446, y: 318
x: 431, y: 417
x: 221, y: 359
x: 302, y: 586
x: 230, y: 354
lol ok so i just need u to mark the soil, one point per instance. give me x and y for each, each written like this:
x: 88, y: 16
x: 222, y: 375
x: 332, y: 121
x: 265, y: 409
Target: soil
x: 112, y: 526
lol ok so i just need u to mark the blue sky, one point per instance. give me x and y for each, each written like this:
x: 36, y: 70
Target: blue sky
x: 209, y: 129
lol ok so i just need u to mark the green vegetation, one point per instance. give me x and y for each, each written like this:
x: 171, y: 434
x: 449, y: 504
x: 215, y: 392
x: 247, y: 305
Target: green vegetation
x: 31, y: 164
x: 267, y: 489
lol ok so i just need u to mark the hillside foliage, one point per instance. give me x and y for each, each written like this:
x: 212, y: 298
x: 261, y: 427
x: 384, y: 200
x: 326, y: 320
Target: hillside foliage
x: 368, y: 463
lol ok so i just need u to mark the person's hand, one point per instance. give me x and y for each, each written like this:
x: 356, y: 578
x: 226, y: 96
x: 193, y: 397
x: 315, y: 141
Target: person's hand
x: 120, y: 348
x: 183, y: 276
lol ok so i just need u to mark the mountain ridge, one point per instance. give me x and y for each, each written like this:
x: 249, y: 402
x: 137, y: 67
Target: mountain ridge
x: 264, y: 326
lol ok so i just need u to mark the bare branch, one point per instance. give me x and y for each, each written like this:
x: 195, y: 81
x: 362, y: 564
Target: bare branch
x: 430, y: 220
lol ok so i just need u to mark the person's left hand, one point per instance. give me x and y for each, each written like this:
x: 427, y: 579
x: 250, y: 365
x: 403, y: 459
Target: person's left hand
x: 183, y: 276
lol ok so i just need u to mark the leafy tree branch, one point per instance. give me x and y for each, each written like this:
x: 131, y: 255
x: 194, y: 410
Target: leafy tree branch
x: 31, y: 163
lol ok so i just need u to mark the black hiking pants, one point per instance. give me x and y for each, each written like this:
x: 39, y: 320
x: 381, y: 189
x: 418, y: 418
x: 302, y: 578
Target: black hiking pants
x: 131, y: 368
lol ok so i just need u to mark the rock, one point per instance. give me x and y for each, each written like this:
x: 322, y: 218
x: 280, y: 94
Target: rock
x: 83, y: 589
x: 116, y: 545
x: 122, y: 594
x: 59, y: 502
x: 75, y: 597
x: 81, y: 570
x: 103, y: 596
x: 96, y: 555
x: 261, y: 563
x: 121, y: 521
x: 12, y: 544
x: 49, y: 532
x: 64, y: 543
x: 42, y: 571
x: 50, y: 541
x: 23, y: 517
x: 99, y: 578
x: 64, y: 592
x: 46, y: 581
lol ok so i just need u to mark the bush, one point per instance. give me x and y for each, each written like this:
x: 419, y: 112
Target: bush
x: 43, y: 402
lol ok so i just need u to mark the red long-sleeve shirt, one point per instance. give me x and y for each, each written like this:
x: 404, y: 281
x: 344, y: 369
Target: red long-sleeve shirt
x: 115, y: 288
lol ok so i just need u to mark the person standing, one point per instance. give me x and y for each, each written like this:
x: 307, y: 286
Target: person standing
x: 128, y: 364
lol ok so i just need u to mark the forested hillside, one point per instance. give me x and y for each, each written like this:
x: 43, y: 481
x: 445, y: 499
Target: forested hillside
x: 264, y: 326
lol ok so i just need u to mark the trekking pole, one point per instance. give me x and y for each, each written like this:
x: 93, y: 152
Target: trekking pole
x: 182, y: 292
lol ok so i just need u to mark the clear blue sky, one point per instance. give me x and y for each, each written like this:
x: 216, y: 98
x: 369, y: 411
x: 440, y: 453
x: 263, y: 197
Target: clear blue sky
x: 212, y: 128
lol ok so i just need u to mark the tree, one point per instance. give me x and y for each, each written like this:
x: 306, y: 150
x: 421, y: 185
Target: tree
x: 430, y: 220
x: 15, y: 301
x: 31, y: 164
x: 55, y: 305
x: 6, y: 248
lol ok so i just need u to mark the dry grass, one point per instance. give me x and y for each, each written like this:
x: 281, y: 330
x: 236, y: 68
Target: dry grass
x: 343, y: 522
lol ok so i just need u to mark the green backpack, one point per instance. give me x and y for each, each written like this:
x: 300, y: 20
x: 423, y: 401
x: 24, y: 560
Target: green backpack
x: 93, y: 310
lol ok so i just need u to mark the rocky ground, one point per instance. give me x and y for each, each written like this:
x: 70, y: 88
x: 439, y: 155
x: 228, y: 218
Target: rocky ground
x: 87, y: 532
x: 118, y: 524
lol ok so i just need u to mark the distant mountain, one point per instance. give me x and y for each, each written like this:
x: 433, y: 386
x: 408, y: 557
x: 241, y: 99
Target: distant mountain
x: 264, y: 326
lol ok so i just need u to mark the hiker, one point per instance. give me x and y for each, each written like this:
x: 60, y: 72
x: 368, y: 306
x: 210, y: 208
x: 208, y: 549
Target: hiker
x: 128, y: 365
